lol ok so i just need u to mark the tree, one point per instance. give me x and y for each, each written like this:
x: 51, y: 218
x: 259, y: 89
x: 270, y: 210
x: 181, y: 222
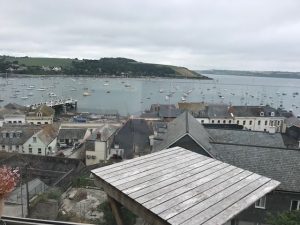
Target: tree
x: 285, y: 218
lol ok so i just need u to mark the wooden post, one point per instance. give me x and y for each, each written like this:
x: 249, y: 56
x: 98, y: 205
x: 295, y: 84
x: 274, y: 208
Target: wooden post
x: 116, y: 210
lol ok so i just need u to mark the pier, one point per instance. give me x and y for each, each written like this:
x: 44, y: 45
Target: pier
x: 57, y: 104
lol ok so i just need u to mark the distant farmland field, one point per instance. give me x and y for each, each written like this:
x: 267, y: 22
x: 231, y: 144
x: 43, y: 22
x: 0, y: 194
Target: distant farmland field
x: 32, y: 61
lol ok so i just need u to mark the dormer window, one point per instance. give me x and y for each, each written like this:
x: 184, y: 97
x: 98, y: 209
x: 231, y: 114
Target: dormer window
x: 39, y: 114
x: 272, y: 113
x: 262, y: 113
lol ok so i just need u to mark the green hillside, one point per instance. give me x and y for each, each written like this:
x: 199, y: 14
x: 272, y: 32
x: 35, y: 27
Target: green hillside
x: 118, y: 67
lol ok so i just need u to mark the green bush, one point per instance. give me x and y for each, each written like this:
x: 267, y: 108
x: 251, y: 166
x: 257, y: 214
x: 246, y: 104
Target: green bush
x: 286, y: 218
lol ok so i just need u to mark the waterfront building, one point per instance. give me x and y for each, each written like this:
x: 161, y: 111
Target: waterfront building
x: 41, y: 115
x: 256, y: 118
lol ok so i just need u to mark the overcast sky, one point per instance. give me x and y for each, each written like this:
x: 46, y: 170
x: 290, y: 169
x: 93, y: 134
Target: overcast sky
x: 198, y: 34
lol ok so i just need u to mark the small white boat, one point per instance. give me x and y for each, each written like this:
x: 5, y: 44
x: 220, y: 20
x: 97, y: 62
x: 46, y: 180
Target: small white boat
x: 24, y: 97
x: 29, y: 88
x: 183, y: 99
x: 106, y: 84
x: 161, y: 91
x: 86, y: 93
x: 41, y: 89
x: 127, y: 85
x: 30, y: 94
x: 52, y: 94
x: 73, y: 89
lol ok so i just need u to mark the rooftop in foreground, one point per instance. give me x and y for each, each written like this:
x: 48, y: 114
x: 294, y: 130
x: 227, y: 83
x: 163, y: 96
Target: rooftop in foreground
x: 177, y: 186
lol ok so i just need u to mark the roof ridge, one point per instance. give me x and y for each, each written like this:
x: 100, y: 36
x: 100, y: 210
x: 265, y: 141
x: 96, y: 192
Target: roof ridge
x: 187, y: 121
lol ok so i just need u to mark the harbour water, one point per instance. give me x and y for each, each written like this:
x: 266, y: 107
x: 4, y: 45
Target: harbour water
x: 133, y: 96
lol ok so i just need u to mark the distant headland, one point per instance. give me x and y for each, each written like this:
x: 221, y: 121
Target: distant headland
x: 106, y: 67
x: 275, y: 74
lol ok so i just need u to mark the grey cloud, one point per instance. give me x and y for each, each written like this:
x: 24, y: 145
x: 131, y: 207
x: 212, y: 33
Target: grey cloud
x: 236, y: 34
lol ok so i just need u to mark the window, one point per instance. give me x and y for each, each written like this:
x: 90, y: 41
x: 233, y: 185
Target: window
x: 212, y: 121
x: 262, y: 114
x: 34, y: 139
x: 278, y: 122
x: 229, y: 121
x: 238, y: 122
x: 250, y: 122
x: 3, y: 147
x: 261, y: 203
x: 19, y: 121
x: 244, y: 122
x: 224, y: 121
x: 15, y: 121
x: 39, y: 151
x: 39, y: 123
x: 17, y: 147
x: 46, y: 122
x: 218, y: 121
x: 266, y: 123
x: 258, y: 122
x: 295, y: 205
x: 30, y: 150
x: 202, y: 121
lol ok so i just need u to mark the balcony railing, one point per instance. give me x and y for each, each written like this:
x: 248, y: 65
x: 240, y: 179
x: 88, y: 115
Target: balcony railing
x: 28, y: 221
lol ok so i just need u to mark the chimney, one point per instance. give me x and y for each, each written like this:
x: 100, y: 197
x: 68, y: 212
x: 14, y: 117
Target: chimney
x: 98, y: 136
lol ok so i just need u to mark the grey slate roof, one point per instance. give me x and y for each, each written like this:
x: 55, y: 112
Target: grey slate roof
x: 165, y: 110
x: 179, y: 127
x: 71, y: 133
x: 278, y: 164
x: 292, y: 121
x: 218, y: 111
x: 105, y: 130
x: 244, y: 137
x: 134, y: 134
x: 26, y: 131
x: 48, y: 134
x: 252, y: 111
